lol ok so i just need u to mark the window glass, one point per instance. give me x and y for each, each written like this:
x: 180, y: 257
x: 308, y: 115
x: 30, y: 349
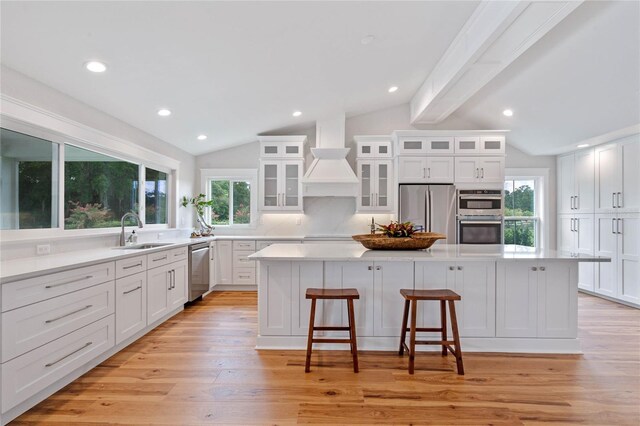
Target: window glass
x: 98, y: 189
x: 521, y: 221
x: 231, y: 202
x: 29, y: 181
x: 155, y: 195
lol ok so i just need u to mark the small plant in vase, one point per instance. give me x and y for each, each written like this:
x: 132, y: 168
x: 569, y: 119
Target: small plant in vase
x: 200, y: 203
x: 397, y: 229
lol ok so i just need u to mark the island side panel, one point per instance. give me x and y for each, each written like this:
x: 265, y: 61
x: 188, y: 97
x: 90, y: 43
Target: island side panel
x: 274, y: 298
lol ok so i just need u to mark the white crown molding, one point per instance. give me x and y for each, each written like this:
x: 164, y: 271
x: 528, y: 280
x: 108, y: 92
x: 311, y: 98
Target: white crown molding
x: 74, y: 131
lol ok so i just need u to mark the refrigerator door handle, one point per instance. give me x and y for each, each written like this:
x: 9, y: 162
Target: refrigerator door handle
x: 429, y: 194
x: 427, y: 209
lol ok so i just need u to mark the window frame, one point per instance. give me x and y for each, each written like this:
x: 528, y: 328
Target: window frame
x: 62, y: 140
x: 540, y: 176
x: 244, y: 175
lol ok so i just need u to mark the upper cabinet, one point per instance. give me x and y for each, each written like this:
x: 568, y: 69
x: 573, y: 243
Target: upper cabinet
x: 281, y: 170
x: 480, y: 145
x: 425, y: 170
x: 576, y: 182
x: 479, y: 170
x: 375, y: 174
x: 418, y: 145
x: 617, y: 177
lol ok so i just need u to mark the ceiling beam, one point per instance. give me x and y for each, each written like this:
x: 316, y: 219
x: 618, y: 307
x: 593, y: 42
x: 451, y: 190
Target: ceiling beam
x: 495, y: 35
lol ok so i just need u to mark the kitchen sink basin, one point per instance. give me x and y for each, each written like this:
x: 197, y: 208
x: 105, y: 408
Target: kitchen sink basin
x: 142, y: 246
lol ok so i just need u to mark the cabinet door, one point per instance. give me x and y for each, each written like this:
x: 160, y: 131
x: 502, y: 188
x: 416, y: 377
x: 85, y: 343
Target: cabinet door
x: 412, y: 170
x: 557, y: 299
x: 492, y: 145
x: 566, y: 234
x: 492, y: 170
x: 157, y: 293
x: 383, y: 185
x: 367, y: 186
x: 305, y: 275
x: 212, y: 264
x: 178, y: 293
x: 388, y: 305
x: 566, y: 185
x: 630, y: 179
x: 440, y: 169
x: 516, y: 299
x: 270, y: 185
x: 131, y: 305
x: 467, y: 169
x: 412, y: 145
x: 291, y: 186
x: 606, y: 245
x: 585, y: 244
x: 274, y: 294
x: 439, y: 145
x: 584, y: 181
x: 358, y: 275
x: 431, y: 276
x: 607, y: 178
x: 224, y: 262
x: 629, y: 257
x: 475, y: 282
x: 467, y: 145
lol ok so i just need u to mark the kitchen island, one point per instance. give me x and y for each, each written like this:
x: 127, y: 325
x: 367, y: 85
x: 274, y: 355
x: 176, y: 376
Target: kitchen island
x: 514, y: 298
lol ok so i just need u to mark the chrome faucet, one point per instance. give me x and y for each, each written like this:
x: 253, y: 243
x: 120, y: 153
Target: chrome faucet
x: 126, y: 215
x: 373, y: 226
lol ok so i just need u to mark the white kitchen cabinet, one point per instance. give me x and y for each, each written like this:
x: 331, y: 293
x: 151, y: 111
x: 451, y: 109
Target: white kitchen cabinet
x: 617, y: 177
x: 492, y: 145
x: 166, y: 289
x: 576, y: 177
x: 213, y: 264
x: 388, y: 305
x: 282, y: 146
x: 542, y: 304
x: 417, y: 145
x: 576, y: 236
x: 618, y: 237
x: 467, y: 145
x: 489, y: 145
x: 305, y: 275
x: 473, y: 281
x: 376, y: 185
x: 274, y: 294
x: 425, y: 170
x: 373, y: 146
x: 131, y: 305
x: 178, y: 292
x: 224, y: 262
x: 280, y: 185
x: 479, y: 170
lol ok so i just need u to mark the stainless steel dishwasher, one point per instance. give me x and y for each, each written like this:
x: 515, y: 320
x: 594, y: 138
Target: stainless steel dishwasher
x: 198, y: 270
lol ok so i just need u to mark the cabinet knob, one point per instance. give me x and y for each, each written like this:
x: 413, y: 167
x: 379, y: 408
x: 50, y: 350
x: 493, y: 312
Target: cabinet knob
x: 542, y: 268
x: 459, y: 268
x: 378, y: 268
x: 533, y: 268
x: 370, y: 268
x: 451, y: 268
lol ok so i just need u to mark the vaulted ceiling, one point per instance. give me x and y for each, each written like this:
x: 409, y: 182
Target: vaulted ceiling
x: 232, y: 70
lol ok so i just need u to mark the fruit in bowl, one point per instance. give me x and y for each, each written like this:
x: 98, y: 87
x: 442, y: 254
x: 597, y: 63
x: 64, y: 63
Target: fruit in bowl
x: 398, y: 236
x: 397, y: 229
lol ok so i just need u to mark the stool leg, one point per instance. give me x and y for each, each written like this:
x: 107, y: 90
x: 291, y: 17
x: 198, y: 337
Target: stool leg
x: 456, y: 337
x: 307, y: 365
x: 352, y: 334
x: 443, y: 323
x: 403, y: 333
x: 412, y: 336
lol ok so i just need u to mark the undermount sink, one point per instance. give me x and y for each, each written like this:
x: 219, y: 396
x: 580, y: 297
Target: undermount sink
x: 142, y: 246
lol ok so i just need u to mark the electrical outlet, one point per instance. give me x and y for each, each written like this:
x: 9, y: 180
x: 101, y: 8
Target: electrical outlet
x: 43, y: 249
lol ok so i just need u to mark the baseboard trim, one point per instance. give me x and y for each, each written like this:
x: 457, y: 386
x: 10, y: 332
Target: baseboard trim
x: 609, y: 298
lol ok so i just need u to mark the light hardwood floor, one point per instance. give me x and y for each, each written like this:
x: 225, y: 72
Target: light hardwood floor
x: 201, y: 368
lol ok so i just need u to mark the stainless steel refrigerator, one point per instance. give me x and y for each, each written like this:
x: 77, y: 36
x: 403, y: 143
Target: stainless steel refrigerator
x: 431, y: 206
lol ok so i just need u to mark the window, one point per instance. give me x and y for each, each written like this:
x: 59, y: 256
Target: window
x: 520, y: 210
x: 29, y: 181
x: 233, y: 193
x: 155, y: 196
x: 98, y: 189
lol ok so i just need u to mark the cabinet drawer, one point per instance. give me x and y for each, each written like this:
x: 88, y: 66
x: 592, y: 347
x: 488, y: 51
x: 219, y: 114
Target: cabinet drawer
x: 130, y: 266
x: 240, y: 259
x: 32, y: 290
x: 244, y: 245
x: 158, y: 259
x: 178, y: 254
x: 32, y: 326
x: 32, y: 372
x: 246, y: 276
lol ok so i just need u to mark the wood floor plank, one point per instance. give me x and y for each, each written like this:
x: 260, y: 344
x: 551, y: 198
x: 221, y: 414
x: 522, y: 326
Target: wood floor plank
x: 201, y: 367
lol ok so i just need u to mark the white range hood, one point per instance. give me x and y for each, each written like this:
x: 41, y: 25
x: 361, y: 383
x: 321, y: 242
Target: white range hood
x: 330, y: 175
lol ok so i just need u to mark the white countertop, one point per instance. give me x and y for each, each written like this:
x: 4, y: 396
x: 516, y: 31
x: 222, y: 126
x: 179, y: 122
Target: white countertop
x: 356, y: 252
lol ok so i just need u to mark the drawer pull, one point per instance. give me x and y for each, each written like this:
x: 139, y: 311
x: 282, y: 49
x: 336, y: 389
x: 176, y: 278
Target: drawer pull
x: 244, y: 276
x: 69, y: 282
x: 51, y: 364
x: 66, y: 315
x: 132, y: 266
x: 160, y: 258
x: 132, y: 290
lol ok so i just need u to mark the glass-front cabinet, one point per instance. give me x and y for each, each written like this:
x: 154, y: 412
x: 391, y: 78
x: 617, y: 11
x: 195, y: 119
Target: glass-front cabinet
x: 376, y: 185
x: 281, y: 186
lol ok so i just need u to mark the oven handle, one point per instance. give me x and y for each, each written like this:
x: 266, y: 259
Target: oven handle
x: 482, y: 222
x: 480, y: 197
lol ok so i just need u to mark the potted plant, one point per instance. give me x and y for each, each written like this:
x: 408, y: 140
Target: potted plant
x: 200, y: 203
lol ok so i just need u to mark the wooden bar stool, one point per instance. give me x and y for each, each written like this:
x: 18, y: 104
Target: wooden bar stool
x: 413, y: 296
x: 347, y: 294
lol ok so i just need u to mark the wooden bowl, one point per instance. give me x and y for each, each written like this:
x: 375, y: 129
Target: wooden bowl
x: 417, y: 241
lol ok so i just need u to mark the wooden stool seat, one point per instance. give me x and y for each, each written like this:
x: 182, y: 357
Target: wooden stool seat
x: 348, y: 294
x: 411, y: 297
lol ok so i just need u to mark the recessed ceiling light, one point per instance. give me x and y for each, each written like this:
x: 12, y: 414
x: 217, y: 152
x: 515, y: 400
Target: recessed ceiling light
x: 507, y: 113
x: 367, y: 39
x: 297, y: 113
x: 393, y: 89
x: 95, y: 66
x: 202, y: 137
x: 164, y: 112
x: 583, y: 145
